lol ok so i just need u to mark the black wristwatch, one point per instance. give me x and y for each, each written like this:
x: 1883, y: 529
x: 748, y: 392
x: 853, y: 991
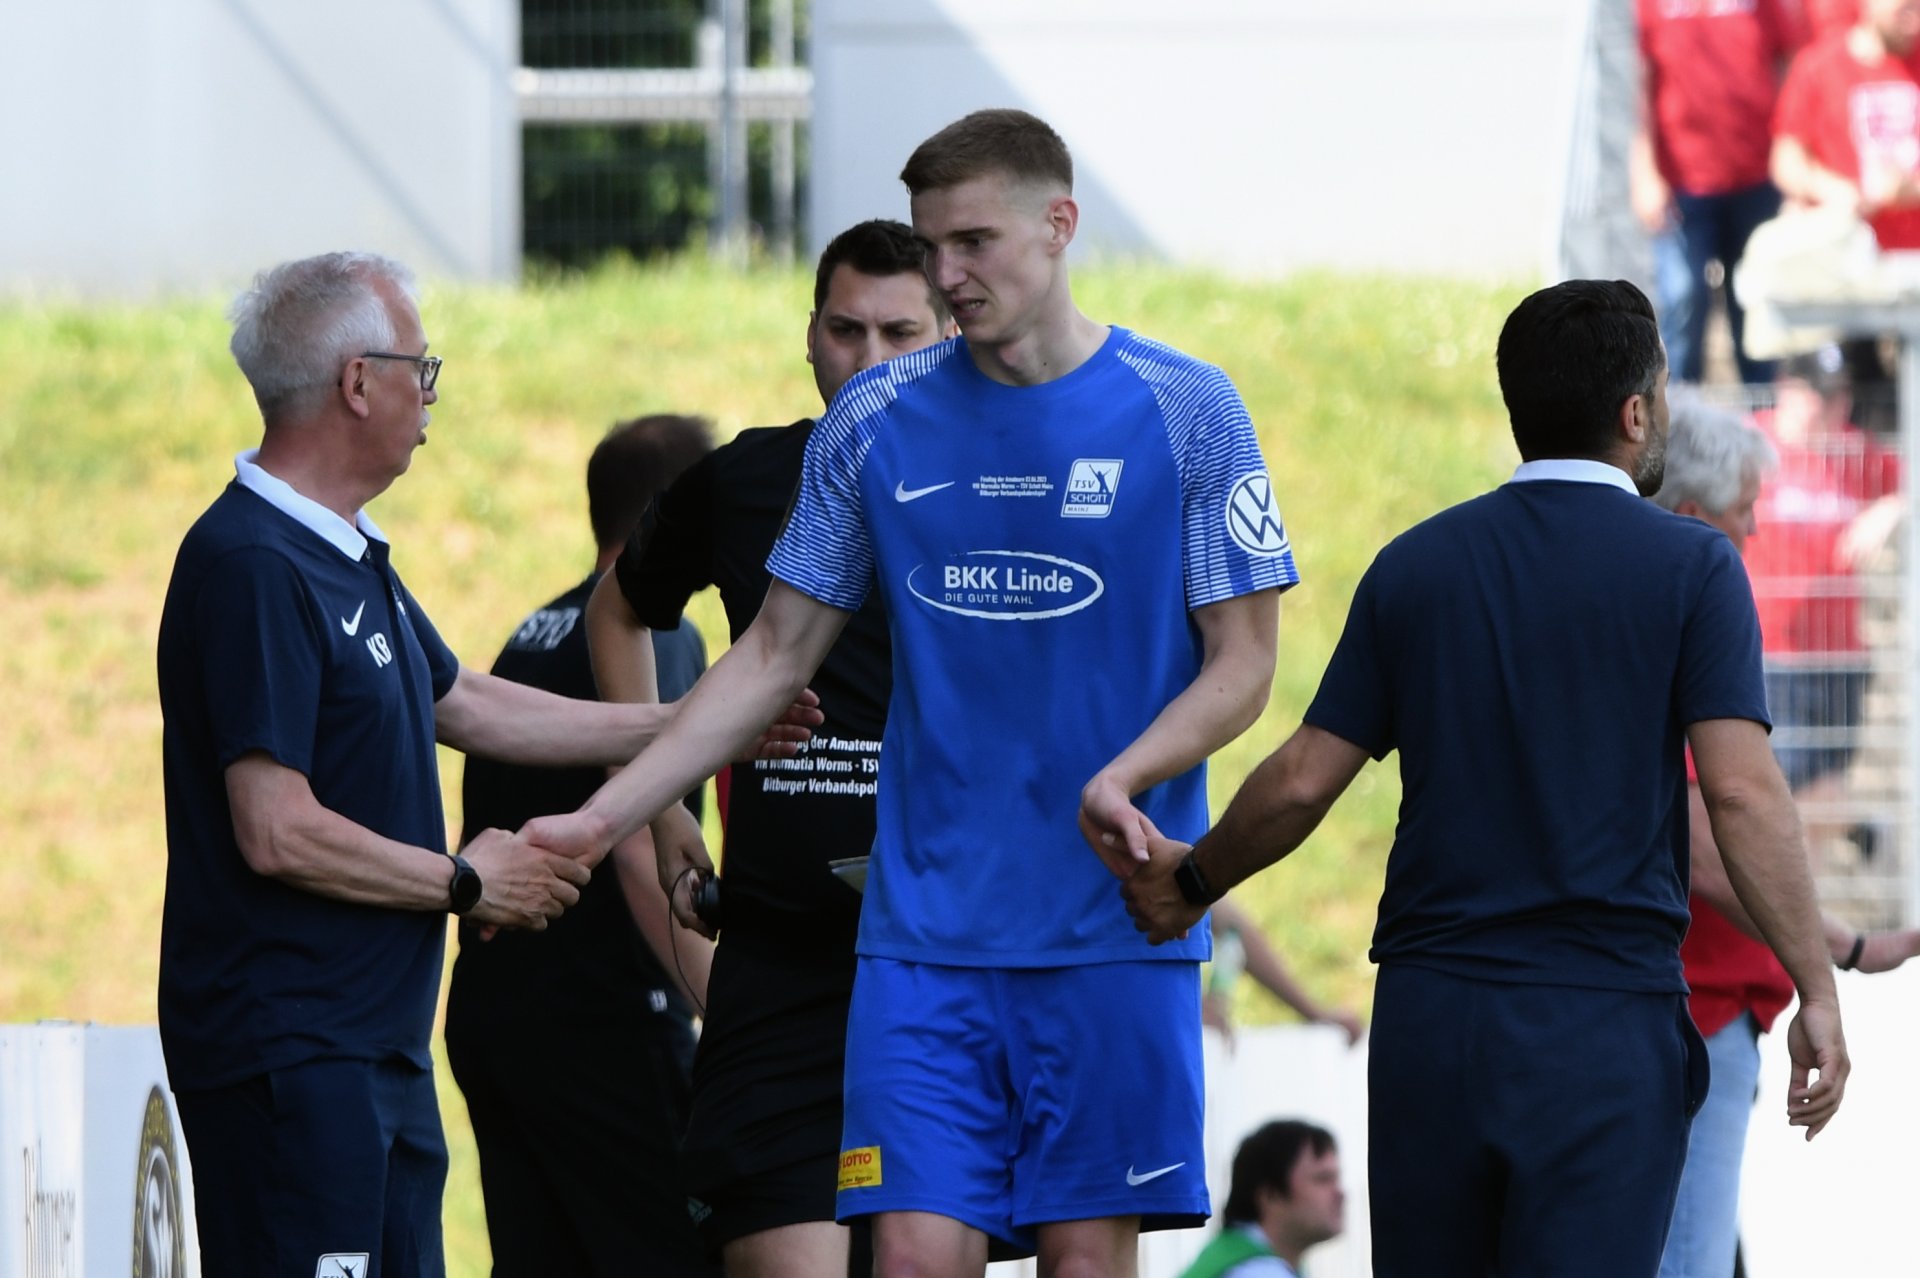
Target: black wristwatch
x: 463, y: 893
x: 1193, y: 885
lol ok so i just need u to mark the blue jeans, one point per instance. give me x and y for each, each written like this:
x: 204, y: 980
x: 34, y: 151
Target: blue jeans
x: 1710, y: 228
x: 1706, y: 1215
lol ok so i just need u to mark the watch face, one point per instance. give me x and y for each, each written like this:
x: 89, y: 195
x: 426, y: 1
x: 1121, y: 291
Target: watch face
x: 1186, y: 877
x: 464, y: 893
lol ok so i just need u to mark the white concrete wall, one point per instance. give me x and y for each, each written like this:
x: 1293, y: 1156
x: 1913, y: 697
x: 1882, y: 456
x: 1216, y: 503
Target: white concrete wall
x: 1423, y: 135
x: 157, y: 144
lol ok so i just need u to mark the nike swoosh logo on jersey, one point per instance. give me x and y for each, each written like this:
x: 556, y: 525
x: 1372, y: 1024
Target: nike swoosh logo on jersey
x: 353, y: 627
x: 903, y: 493
x: 1144, y: 1177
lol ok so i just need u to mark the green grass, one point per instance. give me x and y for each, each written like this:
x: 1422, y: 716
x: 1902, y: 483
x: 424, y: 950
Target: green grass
x: 1374, y: 397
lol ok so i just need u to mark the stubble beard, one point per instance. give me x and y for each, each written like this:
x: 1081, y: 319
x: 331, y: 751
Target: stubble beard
x: 1650, y: 470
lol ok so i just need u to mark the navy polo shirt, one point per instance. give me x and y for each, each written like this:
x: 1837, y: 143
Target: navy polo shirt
x: 286, y: 631
x: 1535, y: 656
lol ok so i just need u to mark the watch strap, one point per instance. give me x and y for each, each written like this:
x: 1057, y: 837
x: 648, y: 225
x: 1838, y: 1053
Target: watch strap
x: 1192, y: 883
x: 464, y: 888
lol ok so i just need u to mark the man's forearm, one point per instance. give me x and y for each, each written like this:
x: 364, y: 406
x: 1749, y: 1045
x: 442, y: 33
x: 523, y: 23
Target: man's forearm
x: 728, y: 708
x: 1224, y: 699
x: 503, y: 720
x: 1202, y: 719
x: 686, y: 957
x: 1764, y: 852
x: 1710, y: 884
x: 1800, y: 177
x: 1264, y: 963
x: 285, y: 833
x: 1281, y: 802
x: 620, y: 648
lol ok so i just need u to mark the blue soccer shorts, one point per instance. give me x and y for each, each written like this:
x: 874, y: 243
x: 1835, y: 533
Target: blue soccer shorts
x: 1012, y: 1098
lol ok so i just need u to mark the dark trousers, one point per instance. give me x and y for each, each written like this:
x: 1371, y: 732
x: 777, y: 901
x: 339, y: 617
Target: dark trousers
x: 332, y: 1167
x: 578, y: 1141
x: 1528, y: 1131
x: 1710, y: 228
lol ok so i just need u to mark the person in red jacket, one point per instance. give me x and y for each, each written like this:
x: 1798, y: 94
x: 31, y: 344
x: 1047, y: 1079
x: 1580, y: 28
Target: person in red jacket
x: 1715, y: 465
x: 1698, y: 173
x: 1847, y: 128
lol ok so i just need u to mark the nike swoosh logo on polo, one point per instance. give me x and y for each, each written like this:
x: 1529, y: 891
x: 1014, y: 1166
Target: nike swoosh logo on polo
x: 353, y: 627
x: 1144, y: 1177
x: 903, y: 493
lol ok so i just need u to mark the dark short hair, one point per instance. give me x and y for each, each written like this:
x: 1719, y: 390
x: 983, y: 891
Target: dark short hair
x: 635, y: 461
x: 1265, y: 1160
x: 1000, y: 140
x: 1568, y: 357
x: 879, y: 248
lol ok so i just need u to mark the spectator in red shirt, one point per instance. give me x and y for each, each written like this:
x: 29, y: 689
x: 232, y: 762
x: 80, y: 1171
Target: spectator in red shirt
x: 1847, y: 129
x: 1698, y: 177
x: 1832, y: 505
x: 1824, y: 17
x: 1715, y: 465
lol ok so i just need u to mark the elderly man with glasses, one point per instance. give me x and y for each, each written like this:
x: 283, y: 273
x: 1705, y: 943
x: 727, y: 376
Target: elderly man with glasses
x: 308, y: 882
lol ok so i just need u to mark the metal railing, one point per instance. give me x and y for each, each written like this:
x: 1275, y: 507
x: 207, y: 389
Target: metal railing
x: 587, y: 195
x: 1834, y: 583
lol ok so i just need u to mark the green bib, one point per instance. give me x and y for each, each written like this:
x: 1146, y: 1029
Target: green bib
x: 1229, y: 1248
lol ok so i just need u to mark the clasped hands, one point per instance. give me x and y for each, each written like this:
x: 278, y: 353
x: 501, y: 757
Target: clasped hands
x: 541, y: 870
x: 1141, y: 857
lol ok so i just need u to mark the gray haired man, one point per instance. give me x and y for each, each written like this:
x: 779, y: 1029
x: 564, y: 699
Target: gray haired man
x: 303, y: 689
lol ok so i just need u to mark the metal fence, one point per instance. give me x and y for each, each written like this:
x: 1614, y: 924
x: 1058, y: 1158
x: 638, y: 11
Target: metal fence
x: 1597, y: 236
x: 1835, y: 568
x: 649, y: 125
x: 1828, y: 563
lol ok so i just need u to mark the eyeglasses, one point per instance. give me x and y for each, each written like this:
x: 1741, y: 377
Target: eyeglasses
x: 429, y: 365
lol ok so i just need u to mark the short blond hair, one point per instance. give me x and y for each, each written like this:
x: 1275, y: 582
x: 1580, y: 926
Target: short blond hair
x: 996, y: 141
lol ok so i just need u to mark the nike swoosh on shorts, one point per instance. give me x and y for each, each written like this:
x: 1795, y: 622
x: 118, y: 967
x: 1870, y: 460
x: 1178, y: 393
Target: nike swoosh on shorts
x: 1144, y: 1177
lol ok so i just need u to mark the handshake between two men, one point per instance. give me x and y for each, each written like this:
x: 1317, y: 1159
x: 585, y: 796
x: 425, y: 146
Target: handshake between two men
x: 526, y: 879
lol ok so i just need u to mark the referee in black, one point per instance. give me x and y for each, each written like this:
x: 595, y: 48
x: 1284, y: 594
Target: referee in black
x: 583, y: 1179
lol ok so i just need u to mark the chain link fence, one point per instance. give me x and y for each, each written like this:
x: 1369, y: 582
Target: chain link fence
x: 648, y: 126
x: 1828, y: 565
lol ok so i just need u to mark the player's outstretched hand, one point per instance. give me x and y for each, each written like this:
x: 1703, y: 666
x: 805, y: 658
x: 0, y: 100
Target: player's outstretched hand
x: 569, y: 834
x: 680, y: 857
x: 793, y: 729
x: 1113, y: 827
x: 1153, y: 898
x: 1816, y: 1044
x: 521, y: 885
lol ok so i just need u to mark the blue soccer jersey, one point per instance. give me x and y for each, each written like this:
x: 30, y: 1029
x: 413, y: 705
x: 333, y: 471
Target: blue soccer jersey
x: 1040, y: 550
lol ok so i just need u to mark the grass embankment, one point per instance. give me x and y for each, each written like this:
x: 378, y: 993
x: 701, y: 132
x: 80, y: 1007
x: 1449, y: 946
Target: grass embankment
x: 1374, y: 397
